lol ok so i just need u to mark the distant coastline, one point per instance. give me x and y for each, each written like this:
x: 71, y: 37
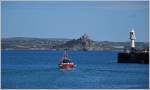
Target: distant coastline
x: 84, y: 43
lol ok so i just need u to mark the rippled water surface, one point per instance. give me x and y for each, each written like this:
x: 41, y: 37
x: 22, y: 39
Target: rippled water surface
x: 39, y: 69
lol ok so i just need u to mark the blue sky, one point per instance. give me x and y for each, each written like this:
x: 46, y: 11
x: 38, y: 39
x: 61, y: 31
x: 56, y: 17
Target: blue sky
x: 101, y: 20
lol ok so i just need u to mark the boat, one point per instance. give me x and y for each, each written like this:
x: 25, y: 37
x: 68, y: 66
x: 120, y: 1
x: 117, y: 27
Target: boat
x: 66, y: 63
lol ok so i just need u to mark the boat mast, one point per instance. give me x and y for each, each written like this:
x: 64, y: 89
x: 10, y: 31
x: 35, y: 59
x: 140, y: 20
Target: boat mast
x: 65, y: 54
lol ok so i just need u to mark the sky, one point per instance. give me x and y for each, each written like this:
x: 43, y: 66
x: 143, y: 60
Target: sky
x: 100, y: 20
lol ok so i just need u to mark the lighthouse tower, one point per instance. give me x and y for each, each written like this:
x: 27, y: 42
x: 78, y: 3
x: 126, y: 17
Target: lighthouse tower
x: 132, y: 38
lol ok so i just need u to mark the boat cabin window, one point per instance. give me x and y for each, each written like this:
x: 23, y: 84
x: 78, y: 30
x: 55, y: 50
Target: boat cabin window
x: 66, y: 61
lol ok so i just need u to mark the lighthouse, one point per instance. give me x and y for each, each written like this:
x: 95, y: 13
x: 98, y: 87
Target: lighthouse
x: 135, y: 55
x: 132, y: 38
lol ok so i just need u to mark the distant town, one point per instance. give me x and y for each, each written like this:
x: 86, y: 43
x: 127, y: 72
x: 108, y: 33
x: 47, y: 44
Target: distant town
x: 83, y: 43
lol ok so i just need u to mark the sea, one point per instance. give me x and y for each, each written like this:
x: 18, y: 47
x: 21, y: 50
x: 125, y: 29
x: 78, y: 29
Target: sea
x: 28, y: 69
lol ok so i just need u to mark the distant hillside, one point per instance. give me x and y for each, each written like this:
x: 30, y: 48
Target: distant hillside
x: 82, y: 43
x: 23, y: 43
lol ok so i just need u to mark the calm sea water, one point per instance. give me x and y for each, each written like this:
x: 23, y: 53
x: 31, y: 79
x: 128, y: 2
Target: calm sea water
x: 39, y: 69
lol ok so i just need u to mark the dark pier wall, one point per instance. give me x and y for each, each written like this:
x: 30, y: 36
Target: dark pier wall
x: 142, y: 58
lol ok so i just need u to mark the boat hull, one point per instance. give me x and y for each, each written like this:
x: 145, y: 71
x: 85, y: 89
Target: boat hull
x: 67, y: 66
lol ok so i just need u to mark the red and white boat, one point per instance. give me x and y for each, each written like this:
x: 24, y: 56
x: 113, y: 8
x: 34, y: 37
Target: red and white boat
x: 66, y: 63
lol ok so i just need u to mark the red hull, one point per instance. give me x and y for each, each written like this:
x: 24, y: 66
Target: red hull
x: 67, y: 65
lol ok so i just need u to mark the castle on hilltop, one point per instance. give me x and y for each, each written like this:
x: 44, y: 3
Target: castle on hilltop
x: 85, y: 42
